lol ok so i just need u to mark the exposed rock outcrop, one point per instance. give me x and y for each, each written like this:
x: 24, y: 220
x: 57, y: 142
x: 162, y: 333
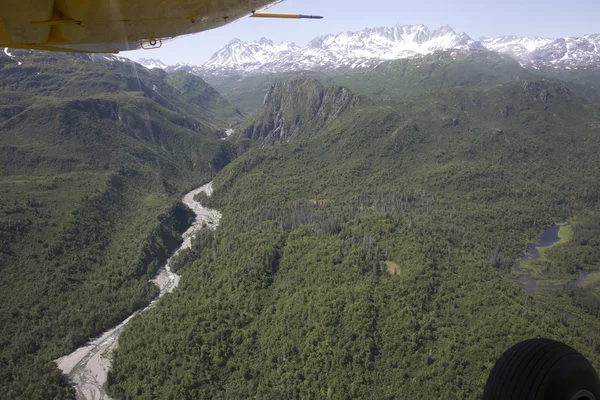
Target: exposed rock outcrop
x: 292, y: 106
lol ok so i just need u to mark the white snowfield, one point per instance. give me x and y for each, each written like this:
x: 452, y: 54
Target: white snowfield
x: 87, y: 367
x: 369, y: 47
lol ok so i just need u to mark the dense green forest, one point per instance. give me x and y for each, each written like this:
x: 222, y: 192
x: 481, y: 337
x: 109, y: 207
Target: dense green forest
x: 370, y: 255
x: 94, y: 156
x: 366, y: 246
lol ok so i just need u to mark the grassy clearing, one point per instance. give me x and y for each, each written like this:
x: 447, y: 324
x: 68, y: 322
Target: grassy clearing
x: 552, y: 282
x: 153, y: 201
x: 544, y: 275
x: 392, y: 268
x: 537, y: 270
x: 565, y: 235
x: 592, y: 280
x: 539, y: 267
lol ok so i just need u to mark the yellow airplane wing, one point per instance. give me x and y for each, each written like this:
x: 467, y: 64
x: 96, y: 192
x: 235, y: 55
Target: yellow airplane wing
x: 110, y: 26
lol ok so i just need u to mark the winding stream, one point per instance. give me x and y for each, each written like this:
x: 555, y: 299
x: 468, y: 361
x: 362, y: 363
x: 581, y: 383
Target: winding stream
x: 87, y: 367
x: 526, y: 280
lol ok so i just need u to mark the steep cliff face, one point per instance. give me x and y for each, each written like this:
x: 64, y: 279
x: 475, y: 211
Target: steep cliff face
x: 295, y: 106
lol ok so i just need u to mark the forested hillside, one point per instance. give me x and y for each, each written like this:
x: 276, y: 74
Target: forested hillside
x: 585, y: 80
x: 94, y: 155
x: 398, y: 79
x: 371, y: 255
x: 368, y: 237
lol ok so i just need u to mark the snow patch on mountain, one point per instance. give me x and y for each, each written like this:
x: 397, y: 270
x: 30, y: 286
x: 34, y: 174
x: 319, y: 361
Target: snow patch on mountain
x: 152, y: 63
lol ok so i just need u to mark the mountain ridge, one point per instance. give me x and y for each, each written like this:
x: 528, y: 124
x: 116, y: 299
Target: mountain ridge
x: 369, y: 47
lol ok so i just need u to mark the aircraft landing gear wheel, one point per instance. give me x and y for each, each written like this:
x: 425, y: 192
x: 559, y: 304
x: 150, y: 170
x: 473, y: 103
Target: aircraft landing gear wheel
x: 542, y: 369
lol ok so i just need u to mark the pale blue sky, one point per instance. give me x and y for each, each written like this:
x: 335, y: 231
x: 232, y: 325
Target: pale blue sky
x: 488, y: 18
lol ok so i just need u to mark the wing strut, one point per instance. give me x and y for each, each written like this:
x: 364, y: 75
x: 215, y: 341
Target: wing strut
x: 282, y: 15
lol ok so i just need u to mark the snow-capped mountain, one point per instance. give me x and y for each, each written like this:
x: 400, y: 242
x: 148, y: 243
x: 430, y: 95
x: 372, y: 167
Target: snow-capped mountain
x: 572, y: 52
x: 349, y: 49
x: 370, y: 47
x: 238, y: 55
x: 388, y: 43
x: 518, y: 47
x: 152, y: 63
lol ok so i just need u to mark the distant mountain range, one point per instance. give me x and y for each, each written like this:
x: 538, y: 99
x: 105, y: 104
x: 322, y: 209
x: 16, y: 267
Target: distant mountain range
x: 571, y: 52
x: 369, y: 47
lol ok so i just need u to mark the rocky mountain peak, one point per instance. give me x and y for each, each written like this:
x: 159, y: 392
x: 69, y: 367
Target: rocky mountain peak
x: 234, y: 42
x: 294, y: 105
x: 266, y: 42
x: 370, y: 47
x: 248, y: 56
x: 152, y: 63
x: 444, y: 30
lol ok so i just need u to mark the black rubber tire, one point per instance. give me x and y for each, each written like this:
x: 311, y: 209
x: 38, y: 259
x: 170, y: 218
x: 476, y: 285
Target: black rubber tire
x: 542, y: 369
